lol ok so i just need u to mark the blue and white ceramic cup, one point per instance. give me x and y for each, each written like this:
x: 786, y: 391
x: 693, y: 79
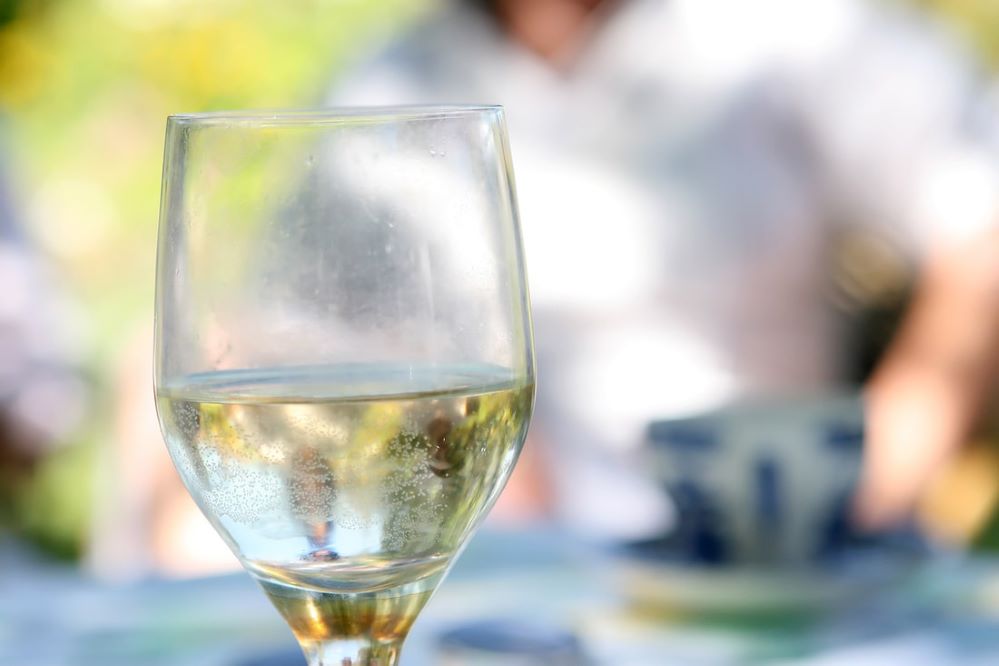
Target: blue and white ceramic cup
x: 762, y: 482
x: 762, y: 493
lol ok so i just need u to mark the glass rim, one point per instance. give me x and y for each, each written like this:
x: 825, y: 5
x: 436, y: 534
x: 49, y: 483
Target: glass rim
x: 331, y: 115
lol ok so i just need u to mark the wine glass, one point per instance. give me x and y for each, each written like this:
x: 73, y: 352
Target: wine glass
x: 344, y: 365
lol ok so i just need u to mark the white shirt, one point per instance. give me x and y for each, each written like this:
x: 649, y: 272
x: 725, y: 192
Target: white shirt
x: 680, y: 190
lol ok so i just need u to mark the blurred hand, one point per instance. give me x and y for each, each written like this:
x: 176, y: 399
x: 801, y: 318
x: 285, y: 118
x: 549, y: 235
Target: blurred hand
x: 925, y: 397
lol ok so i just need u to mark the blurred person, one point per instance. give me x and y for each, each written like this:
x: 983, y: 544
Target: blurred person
x: 686, y: 171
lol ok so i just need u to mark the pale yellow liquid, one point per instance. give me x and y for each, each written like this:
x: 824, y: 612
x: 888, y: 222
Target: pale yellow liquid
x: 346, y: 491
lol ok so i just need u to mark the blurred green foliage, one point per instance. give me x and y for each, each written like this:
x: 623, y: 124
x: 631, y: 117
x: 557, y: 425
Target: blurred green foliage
x: 85, y: 86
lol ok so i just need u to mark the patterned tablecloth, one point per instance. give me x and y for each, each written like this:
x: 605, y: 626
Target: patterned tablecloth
x: 947, y: 613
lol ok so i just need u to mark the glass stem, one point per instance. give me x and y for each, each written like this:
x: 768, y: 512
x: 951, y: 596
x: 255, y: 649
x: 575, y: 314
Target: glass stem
x: 350, y: 628
x: 351, y: 652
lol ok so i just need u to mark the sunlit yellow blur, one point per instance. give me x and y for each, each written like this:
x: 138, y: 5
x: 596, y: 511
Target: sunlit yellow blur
x: 85, y: 88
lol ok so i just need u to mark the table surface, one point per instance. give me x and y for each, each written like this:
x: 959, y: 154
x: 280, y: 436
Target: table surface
x: 51, y: 615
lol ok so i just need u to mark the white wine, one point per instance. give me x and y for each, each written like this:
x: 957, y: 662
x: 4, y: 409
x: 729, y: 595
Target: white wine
x: 381, y: 617
x: 346, y: 490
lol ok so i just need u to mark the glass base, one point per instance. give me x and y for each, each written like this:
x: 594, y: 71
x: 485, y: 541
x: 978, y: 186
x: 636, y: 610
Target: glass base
x: 349, y: 652
x: 350, y: 629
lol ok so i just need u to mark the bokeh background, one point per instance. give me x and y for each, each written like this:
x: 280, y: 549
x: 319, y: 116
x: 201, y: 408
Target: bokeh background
x: 85, y: 86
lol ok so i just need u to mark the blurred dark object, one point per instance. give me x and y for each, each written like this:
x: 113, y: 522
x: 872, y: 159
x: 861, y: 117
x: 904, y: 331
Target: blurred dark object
x: 12, y: 9
x: 988, y: 539
x: 872, y: 285
x: 509, y: 643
